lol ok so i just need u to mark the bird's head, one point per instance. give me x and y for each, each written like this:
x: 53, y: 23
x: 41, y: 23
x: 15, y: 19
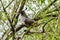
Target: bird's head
x: 24, y: 14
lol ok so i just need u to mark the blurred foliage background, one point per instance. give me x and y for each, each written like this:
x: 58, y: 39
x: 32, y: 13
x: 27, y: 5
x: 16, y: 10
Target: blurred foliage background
x: 45, y: 12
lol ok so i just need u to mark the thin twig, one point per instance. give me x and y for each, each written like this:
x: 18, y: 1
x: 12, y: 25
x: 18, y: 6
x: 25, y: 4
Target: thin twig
x: 9, y: 4
x: 48, y: 15
x: 5, y: 12
x: 44, y: 9
x: 12, y: 28
x: 19, y: 10
x: 46, y: 24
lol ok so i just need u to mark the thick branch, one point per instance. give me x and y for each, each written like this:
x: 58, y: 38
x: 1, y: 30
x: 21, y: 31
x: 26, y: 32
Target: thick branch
x: 21, y: 26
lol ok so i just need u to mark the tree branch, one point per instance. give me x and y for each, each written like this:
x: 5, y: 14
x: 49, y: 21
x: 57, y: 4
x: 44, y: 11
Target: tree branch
x: 49, y: 6
x: 44, y: 9
x: 47, y: 15
x: 9, y: 4
x: 6, y: 12
x: 12, y: 27
x: 46, y: 24
x: 18, y: 11
x: 21, y: 26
